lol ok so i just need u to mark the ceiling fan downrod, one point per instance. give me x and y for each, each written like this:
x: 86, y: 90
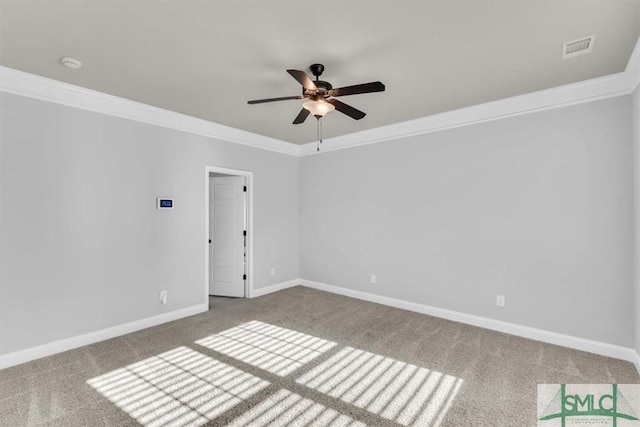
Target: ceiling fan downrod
x: 316, y: 70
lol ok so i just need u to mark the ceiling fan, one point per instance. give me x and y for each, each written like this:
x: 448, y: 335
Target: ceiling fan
x: 321, y: 95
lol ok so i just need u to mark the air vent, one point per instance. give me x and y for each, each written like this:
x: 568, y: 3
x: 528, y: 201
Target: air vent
x: 577, y: 47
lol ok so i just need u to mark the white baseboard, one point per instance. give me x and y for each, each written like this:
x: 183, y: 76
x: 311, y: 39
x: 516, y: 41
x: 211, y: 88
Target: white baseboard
x: 32, y: 353
x: 609, y: 350
x: 26, y: 355
x: 604, y: 349
x: 274, y: 288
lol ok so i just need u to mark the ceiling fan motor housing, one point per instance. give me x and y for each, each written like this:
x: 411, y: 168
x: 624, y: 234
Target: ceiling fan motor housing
x: 323, y: 86
x: 322, y: 91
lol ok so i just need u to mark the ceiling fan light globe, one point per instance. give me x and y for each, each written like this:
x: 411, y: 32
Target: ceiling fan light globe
x: 318, y: 108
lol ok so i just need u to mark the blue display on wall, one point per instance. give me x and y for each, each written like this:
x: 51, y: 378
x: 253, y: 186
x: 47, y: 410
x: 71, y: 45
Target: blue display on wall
x: 164, y: 203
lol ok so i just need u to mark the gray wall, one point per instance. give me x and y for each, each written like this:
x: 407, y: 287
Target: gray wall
x: 636, y: 145
x: 83, y: 247
x: 538, y: 208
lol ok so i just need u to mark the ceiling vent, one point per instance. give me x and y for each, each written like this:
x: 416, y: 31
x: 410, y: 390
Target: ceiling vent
x: 577, y: 47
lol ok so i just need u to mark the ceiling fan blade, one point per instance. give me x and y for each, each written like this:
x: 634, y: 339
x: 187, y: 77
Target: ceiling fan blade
x: 356, y: 89
x: 347, y: 109
x: 301, y: 117
x: 282, y: 98
x: 303, y: 79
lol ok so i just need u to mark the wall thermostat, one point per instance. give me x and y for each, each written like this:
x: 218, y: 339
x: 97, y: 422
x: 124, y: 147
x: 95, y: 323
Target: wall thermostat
x: 164, y: 203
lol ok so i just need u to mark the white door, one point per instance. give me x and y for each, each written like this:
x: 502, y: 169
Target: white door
x: 226, y: 232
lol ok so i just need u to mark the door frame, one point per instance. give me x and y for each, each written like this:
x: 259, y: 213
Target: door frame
x: 248, y: 175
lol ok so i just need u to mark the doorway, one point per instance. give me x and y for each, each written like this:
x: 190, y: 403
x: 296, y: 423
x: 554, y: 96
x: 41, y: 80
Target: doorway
x: 228, y: 233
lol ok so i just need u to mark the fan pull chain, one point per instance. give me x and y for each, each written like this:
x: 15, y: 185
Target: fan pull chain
x: 318, y: 134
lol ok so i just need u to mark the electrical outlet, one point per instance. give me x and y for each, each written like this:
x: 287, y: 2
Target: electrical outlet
x: 373, y: 279
x: 163, y: 297
x: 273, y: 271
x: 500, y: 301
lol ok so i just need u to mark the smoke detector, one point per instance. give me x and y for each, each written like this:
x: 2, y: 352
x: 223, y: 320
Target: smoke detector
x: 70, y: 62
x: 578, y: 47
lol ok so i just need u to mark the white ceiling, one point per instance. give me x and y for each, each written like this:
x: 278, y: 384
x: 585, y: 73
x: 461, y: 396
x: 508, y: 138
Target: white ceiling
x: 208, y: 58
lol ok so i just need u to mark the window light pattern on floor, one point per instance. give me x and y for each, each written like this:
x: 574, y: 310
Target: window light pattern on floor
x: 398, y: 391
x: 178, y: 388
x: 285, y: 408
x: 272, y: 348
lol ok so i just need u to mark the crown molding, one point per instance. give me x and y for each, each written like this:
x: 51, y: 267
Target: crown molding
x: 610, y: 86
x: 548, y: 99
x: 633, y: 67
x: 38, y: 87
x: 33, y: 86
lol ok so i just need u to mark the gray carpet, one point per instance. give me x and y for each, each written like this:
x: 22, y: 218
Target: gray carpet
x: 299, y: 357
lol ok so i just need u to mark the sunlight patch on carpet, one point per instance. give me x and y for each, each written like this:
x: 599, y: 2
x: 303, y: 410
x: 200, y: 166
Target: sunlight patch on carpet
x: 286, y: 408
x: 398, y: 391
x: 272, y: 348
x: 178, y: 388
